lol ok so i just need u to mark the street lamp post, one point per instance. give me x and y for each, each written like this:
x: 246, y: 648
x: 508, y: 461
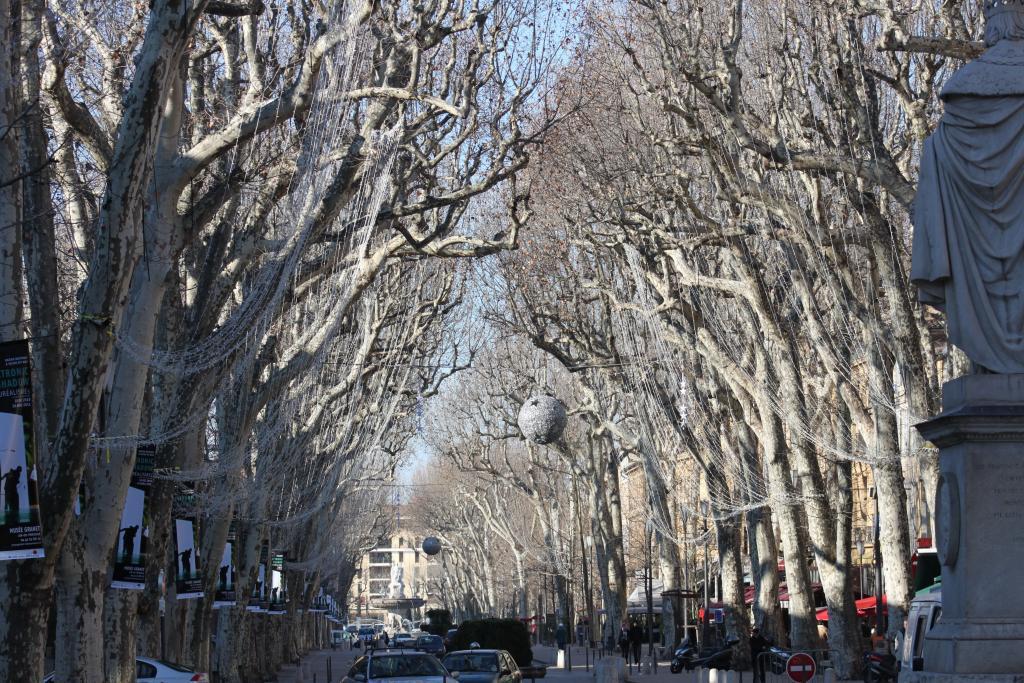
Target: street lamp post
x: 649, y: 588
x: 704, y: 622
x: 878, y: 570
x: 860, y: 559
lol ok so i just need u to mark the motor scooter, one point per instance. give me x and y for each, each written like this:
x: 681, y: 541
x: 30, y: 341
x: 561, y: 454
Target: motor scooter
x: 717, y: 658
x: 880, y: 667
x: 683, y: 654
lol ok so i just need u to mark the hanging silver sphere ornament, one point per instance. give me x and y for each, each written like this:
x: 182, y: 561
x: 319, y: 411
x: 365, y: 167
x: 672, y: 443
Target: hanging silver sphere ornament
x: 542, y: 419
x: 431, y: 545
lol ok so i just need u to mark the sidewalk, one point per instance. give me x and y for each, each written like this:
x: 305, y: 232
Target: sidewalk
x: 316, y: 665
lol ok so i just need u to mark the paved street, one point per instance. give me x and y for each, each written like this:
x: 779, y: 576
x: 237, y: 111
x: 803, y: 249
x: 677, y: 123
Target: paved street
x: 316, y: 666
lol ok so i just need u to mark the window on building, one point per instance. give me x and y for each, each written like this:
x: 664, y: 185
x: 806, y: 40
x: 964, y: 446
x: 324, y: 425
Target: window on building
x: 380, y: 558
x: 417, y: 558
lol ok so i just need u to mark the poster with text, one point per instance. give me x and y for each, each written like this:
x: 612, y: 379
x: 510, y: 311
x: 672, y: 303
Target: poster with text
x: 187, y: 577
x: 133, y: 534
x: 21, y: 534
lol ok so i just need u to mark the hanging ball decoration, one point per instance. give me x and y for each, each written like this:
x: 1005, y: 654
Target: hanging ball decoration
x: 431, y: 546
x: 542, y: 419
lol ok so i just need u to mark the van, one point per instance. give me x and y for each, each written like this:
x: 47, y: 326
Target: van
x: 925, y: 611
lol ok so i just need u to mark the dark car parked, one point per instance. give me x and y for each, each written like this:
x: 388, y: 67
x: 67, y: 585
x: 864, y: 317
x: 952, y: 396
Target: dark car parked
x: 431, y: 644
x: 483, y: 666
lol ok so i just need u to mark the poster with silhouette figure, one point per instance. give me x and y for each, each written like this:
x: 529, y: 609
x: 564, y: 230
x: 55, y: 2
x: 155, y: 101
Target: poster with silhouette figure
x: 21, y: 534
x: 133, y: 534
x: 277, y: 595
x: 224, y: 595
x: 256, y: 603
x: 187, y: 576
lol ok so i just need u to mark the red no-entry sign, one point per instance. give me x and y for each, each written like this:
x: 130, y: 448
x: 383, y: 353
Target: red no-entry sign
x: 800, y: 667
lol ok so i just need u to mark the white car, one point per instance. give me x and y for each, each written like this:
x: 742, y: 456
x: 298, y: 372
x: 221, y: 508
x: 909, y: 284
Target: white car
x: 403, y: 639
x: 392, y: 666
x: 154, y: 670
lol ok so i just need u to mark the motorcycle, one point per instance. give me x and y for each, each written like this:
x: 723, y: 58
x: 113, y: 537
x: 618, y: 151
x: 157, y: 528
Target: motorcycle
x: 683, y: 654
x: 880, y: 667
x: 720, y: 658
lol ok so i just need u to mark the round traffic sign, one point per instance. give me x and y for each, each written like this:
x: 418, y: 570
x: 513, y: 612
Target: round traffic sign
x: 800, y: 667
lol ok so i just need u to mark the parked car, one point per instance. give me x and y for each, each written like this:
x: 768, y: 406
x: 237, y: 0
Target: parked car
x: 396, y: 665
x: 431, y: 644
x: 368, y: 635
x: 483, y: 666
x: 403, y: 640
x: 147, y: 669
x: 536, y: 669
x: 925, y: 611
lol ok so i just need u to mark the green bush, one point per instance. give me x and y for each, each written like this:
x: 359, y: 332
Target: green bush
x: 440, y: 622
x: 496, y: 634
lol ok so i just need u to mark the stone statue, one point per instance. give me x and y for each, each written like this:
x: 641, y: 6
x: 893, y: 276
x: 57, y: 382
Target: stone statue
x: 397, y: 587
x: 968, y: 256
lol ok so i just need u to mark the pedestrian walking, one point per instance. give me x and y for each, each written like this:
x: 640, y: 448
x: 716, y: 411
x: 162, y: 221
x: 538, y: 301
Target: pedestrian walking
x: 624, y: 640
x: 758, y: 644
x: 561, y: 636
x: 636, y: 639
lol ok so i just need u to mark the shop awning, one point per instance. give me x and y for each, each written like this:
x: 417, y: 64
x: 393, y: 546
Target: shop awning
x: 865, y: 608
x: 748, y: 592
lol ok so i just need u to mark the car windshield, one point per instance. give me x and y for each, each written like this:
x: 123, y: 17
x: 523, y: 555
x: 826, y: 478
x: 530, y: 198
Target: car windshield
x: 397, y: 666
x: 472, y: 661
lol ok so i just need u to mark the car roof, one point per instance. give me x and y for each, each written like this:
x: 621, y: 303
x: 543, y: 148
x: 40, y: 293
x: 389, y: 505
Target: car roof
x: 476, y: 650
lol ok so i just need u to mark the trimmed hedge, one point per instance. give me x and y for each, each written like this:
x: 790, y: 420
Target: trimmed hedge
x: 440, y: 622
x: 496, y: 634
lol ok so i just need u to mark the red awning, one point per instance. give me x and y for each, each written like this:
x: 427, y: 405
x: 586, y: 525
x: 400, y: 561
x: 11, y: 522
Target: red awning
x: 865, y: 608
x: 748, y: 592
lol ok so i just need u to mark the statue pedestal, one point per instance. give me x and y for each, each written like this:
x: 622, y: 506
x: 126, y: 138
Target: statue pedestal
x: 979, y: 528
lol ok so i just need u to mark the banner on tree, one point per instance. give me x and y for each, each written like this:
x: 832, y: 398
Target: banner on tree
x: 277, y: 592
x: 319, y: 602
x: 188, y: 580
x: 133, y: 536
x: 21, y: 534
x: 224, y: 596
x: 257, y: 599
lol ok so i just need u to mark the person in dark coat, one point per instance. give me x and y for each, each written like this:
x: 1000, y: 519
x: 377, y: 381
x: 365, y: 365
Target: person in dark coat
x: 561, y: 636
x: 624, y: 641
x: 636, y: 639
x: 758, y: 644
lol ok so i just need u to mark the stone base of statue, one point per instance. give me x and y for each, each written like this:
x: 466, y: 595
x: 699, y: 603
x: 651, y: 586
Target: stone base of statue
x: 979, y: 529
x: 932, y: 677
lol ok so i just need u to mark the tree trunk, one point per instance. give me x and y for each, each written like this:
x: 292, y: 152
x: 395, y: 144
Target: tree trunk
x: 737, y: 625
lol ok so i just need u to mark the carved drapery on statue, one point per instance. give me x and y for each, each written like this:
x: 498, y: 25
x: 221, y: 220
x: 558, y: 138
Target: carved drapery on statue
x: 969, y: 212
x: 396, y: 589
